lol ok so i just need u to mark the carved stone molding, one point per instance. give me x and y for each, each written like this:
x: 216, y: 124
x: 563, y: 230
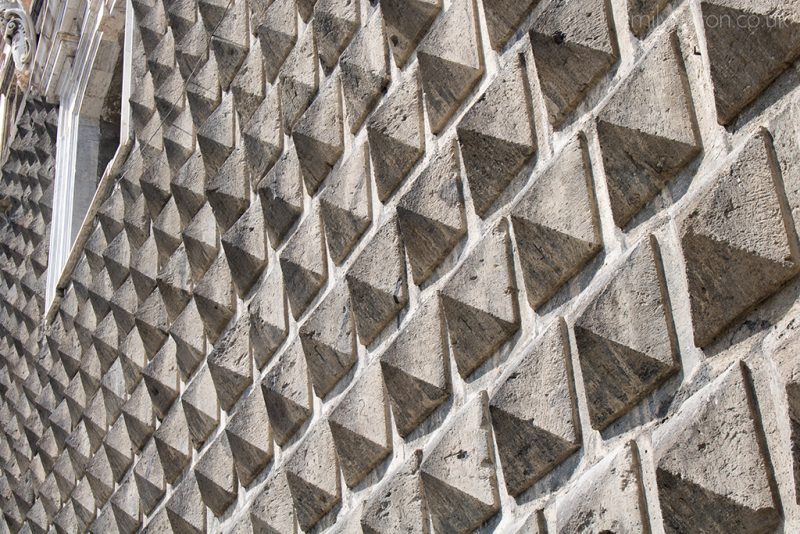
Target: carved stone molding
x: 18, y: 32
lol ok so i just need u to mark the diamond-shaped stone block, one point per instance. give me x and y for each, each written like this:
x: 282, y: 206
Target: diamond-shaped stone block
x: 281, y: 194
x: 287, y: 393
x: 299, y: 80
x: 245, y: 248
x: 230, y: 364
x: 503, y: 17
x: 304, y: 264
x: 250, y: 437
x: 335, y: 22
x: 407, y: 22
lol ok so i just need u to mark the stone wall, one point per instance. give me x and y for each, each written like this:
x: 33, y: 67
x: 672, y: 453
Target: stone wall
x: 432, y: 266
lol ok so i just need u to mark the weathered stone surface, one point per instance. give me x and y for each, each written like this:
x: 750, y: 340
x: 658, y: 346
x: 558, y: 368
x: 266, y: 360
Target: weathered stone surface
x: 299, y: 80
x: 397, y: 135
x: 480, y: 303
x: 624, y: 361
x: 360, y: 427
x: 172, y: 441
x: 230, y: 365
x: 273, y: 508
x: 162, y: 378
x: 335, y: 22
x: 189, y: 186
x: 377, y: 282
x: 556, y: 224
x: 647, y: 131
x: 152, y: 322
x: 215, y: 298
x: 318, y: 135
x: 345, y: 204
x: 185, y: 509
x: 407, y: 22
x: 228, y: 191
x: 119, y: 448
x: 230, y: 41
x: 268, y: 318
x: 304, y: 264
x: 643, y: 15
x: 189, y: 340
x: 746, y: 58
x: 735, y: 241
x: 398, y: 505
x: 365, y: 71
x: 574, y: 47
x: 313, y: 476
x: 497, y: 137
x: 149, y: 477
x: 215, y: 137
x: 276, y: 29
x: 503, y: 17
x: 175, y: 283
x: 263, y: 137
x: 711, y: 473
x: 450, y: 62
x: 139, y: 415
x: 126, y: 507
x: 458, y: 473
x: 216, y: 476
x: 431, y: 215
x: 201, y: 407
x: 608, y: 498
x: 287, y: 393
x: 250, y: 437
x: 201, y: 241
x: 281, y: 193
x: 328, y: 341
x: 245, y: 248
x: 535, y: 413
x: 100, y: 477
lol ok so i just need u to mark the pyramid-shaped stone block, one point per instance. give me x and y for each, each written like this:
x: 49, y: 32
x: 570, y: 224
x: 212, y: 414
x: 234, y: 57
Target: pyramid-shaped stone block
x: 172, y: 440
x: 149, y: 477
x: 299, y: 80
x: 497, y: 136
x: 245, y: 248
x: 535, y: 413
x: 268, y: 318
x: 162, y: 378
x: 407, y: 22
x: 215, y: 298
x: 249, y: 85
x: 228, y: 191
x: 624, y: 361
x: 480, y: 303
x: 287, y: 393
x: 647, y: 131
x: 250, y: 437
x: 189, y: 343
x: 458, y: 473
x: 263, y: 137
x: 201, y: 407
x: 304, y: 264
x: 230, y: 41
x: 185, y: 509
x: 201, y: 241
x: 377, y: 282
x: 281, y: 194
x: 335, y: 22
x: 230, y: 365
x: 503, y: 18
x: 216, y: 476
x: 189, y: 186
x: 431, y: 215
x: 733, y: 264
x: 556, y: 225
x: 398, y: 503
x: 273, y: 508
x: 276, y: 29
x: 216, y: 136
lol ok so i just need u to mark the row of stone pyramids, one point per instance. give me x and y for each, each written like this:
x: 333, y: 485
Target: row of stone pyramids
x: 125, y: 389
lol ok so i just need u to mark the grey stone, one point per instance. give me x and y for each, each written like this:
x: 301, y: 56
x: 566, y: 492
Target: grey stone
x: 365, y: 71
x: 144, y: 268
x: 574, y: 47
x: 189, y: 340
x: 201, y: 407
x: 607, y: 498
x: 250, y: 437
x: 746, y: 58
x: 535, y: 412
x: 318, y: 135
x: 643, y: 15
x: 230, y: 364
x: 173, y: 443
x: 328, y: 341
x: 215, y: 137
x: 497, y: 136
x: 556, y: 224
x: 185, y: 509
x: 201, y: 241
x: 167, y: 229
x: 124, y: 304
x: 216, y: 476
x: 503, y: 17
x: 345, y: 204
x: 458, y: 472
x: 397, y: 135
x: 215, y: 298
x: 230, y: 41
x: 304, y: 264
x: 268, y: 318
x: 189, y: 186
x: 276, y: 29
x: 299, y: 80
x: 152, y: 322
x: 698, y: 488
x: 431, y: 215
x: 175, y: 283
x: 450, y: 62
x: 139, y: 416
x: 480, y: 302
x: 647, y: 131
x: 360, y: 427
x: 245, y: 248
x: 398, y: 505
x: 126, y: 507
x: 263, y: 137
x: 281, y: 194
x: 312, y: 473
x: 100, y: 477
x: 335, y: 22
x: 377, y: 282
x: 149, y: 477
x: 162, y: 378
x: 249, y: 85
x: 228, y: 191
x: 156, y: 178
x: 119, y: 448
x: 273, y: 508
x: 623, y: 361
x: 407, y: 22
x: 117, y: 259
x: 287, y: 393
x: 733, y: 264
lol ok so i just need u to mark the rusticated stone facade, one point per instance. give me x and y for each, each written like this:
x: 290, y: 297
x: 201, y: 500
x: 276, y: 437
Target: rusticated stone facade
x: 410, y: 266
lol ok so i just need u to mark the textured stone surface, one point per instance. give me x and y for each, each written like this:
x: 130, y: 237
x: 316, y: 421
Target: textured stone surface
x: 230, y: 365
x: 497, y: 136
x: 477, y: 323
x: 304, y: 265
x: 287, y: 393
x: 450, y: 62
x: 299, y: 80
x: 651, y: 116
x: 250, y: 437
x: 535, y: 432
x: 737, y: 228
x: 503, y: 17
x: 281, y: 193
x: 623, y: 361
x: 556, y: 224
x: 398, y: 504
x: 574, y: 47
